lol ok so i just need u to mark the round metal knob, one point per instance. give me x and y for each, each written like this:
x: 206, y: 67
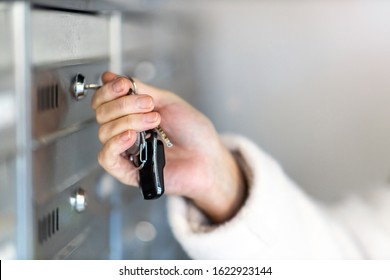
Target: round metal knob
x: 79, y: 87
x: 79, y: 200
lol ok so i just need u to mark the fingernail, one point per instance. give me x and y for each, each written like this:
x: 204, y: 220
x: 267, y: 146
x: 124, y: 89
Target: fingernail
x: 126, y: 136
x: 151, y: 117
x: 144, y: 102
x: 117, y: 86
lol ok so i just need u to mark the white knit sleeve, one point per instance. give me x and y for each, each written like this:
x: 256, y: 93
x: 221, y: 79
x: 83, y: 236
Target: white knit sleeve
x: 277, y: 221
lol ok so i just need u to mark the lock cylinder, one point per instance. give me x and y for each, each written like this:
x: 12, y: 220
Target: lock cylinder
x: 79, y: 200
x: 79, y: 87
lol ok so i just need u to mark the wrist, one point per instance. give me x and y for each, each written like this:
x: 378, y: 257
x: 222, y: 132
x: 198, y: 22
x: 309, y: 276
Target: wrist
x: 228, y: 192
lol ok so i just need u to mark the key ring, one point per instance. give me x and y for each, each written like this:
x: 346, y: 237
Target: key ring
x: 134, y: 89
x: 150, y: 160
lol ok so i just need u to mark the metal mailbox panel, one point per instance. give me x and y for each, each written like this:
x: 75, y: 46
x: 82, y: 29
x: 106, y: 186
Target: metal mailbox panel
x: 53, y: 106
x: 7, y: 208
x: 65, y: 146
x: 59, y: 164
x: 7, y: 138
x: 61, y: 232
x: 64, y: 136
x: 7, y: 94
x: 62, y: 36
x: 64, y: 158
x: 6, y: 54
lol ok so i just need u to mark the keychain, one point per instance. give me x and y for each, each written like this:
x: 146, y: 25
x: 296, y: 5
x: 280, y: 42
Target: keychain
x: 150, y: 160
x: 151, y: 175
x: 147, y: 153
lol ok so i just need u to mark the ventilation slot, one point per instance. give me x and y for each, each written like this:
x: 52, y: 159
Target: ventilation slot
x: 47, y: 97
x: 48, y: 226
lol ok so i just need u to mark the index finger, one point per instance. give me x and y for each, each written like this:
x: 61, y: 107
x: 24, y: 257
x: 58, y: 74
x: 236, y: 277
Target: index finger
x: 108, y: 77
x: 116, y: 87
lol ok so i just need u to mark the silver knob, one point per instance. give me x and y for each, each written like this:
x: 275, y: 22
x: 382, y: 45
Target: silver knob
x: 79, y: 200
x: 79, y: 87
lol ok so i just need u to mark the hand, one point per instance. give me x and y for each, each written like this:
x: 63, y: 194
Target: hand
x: 198, y: 166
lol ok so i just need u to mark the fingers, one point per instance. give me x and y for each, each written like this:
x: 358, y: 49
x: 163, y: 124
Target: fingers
x: 111, y: 159
x: 137, y: 122
x: 130, y: 104
x: 118, y: 87
x: 108, y: 77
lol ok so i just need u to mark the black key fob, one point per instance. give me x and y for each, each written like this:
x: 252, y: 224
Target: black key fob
x: 151, y: 176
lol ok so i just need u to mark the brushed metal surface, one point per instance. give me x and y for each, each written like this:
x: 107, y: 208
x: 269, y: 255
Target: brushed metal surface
x: 7, y: 138
x: 53, y: 106
x: 65, y: 147
x: 62, y: 36
x: 58, y: 135
x: 63, y: 233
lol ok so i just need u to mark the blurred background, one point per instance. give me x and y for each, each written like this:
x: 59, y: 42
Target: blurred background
x: 306, y: 80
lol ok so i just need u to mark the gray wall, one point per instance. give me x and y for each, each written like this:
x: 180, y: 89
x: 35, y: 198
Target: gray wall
x: 307, y: 80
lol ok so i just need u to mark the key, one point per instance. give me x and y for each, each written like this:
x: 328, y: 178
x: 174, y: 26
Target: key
x: 164, y: 136
x: 151, y: 176
x: 137, y: 153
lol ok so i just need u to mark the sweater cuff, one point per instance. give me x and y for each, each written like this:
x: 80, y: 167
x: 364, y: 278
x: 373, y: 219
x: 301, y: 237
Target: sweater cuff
x: 193, y: 229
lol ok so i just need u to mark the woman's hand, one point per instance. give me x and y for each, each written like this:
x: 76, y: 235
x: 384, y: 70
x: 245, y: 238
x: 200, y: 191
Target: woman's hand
x: 198, y: 166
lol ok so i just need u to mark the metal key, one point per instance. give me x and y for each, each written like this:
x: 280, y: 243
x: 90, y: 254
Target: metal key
x: 137, y: 153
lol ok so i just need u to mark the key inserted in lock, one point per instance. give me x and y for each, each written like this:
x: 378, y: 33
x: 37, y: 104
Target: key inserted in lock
x: 79, y: 87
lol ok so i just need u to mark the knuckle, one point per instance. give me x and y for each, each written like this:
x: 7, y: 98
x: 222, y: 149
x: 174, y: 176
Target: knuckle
x: 102, y: 134
x: 99, y: 115
x: 125, y: 82
x: 122, y: 104
x: 130, y: 122
x: 120, y: 86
